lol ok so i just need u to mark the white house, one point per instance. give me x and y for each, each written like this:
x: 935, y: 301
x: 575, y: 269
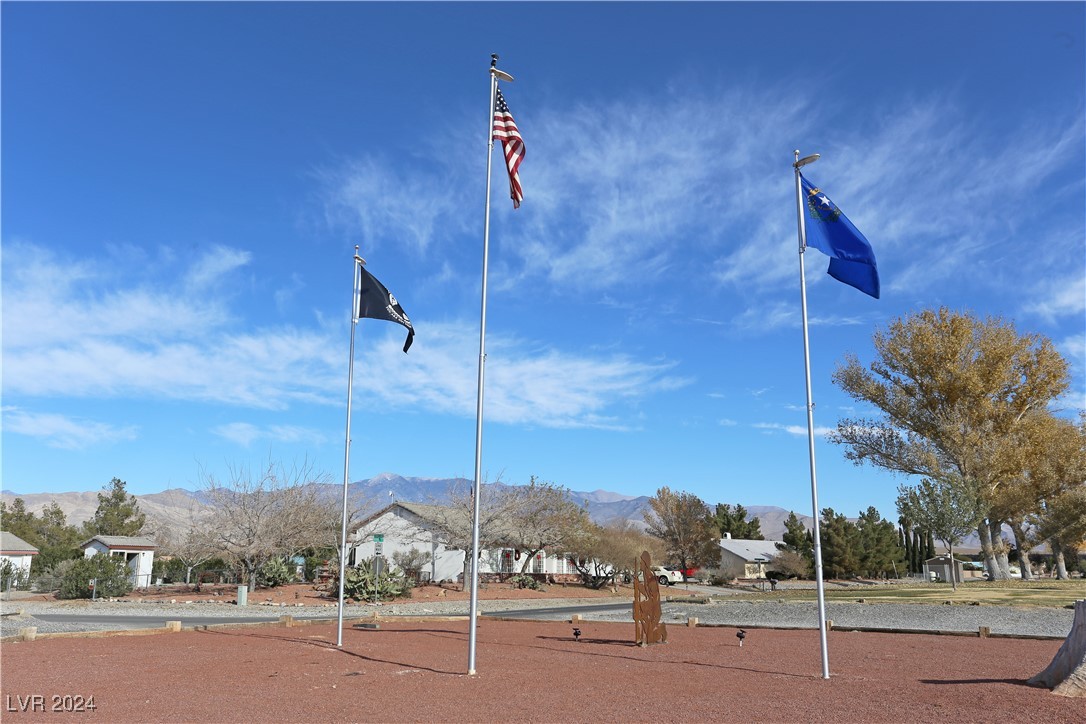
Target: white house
x: 138, y: 554
x: 401, y: 527
x: 747, y: 558
x: 18, y: 552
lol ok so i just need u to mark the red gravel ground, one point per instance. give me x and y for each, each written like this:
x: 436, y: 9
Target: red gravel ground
x: 530, y: 672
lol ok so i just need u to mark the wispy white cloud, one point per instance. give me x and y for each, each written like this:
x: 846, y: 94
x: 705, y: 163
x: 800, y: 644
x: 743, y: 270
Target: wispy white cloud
x: 123, y: 352
x: 1060, y: 297
x: 387, y: 203
x: 244, y: 433
x: 679, y: 175
x: 799, y: 430
x: 526, y: 383
x: 213, y: 265
x: 62, y: 431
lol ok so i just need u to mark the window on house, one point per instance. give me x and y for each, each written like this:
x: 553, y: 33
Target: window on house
x: 537, y: 563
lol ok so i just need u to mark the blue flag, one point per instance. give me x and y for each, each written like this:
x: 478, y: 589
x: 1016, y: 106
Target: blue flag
x: 851, y: 259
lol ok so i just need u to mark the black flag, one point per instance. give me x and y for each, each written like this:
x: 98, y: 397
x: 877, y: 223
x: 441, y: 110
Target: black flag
x: 375, y: 302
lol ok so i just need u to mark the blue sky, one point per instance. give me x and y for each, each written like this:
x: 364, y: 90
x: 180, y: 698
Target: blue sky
x: 184, y: 184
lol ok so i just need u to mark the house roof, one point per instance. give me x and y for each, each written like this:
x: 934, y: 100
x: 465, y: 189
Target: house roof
x: 11, y: 544
x: 125, y: 542
x: 435, y: 514
x: 751, y: 550
x: 443, y: 517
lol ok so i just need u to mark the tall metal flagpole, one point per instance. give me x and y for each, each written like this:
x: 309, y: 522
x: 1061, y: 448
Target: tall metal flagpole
x: 473, y: 608
x: 799, y: 163
x: 358, y: 261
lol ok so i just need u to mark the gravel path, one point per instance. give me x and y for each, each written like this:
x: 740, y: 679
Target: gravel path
x: 1012, y: 620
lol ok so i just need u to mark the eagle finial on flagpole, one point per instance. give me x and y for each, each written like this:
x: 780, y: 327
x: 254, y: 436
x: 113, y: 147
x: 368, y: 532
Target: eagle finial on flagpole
x: 501, y: 74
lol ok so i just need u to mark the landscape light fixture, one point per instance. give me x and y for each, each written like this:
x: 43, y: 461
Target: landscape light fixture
x: 806, y: 160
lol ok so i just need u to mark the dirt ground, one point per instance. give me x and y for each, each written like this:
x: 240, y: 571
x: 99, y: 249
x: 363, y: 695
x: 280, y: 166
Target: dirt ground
x: 527, y: 672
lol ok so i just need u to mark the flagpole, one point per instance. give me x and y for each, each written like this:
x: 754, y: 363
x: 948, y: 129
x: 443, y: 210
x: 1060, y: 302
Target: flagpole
x: 347, y: 452
x: 810, y: 417
x: 473, y: 609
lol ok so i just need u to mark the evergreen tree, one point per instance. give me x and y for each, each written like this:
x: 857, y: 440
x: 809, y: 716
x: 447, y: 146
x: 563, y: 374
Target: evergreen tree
x: 929, y: 546
x: 918, y: 552
x: 50, y: 533
x: 17, y: 520
x: 797, y: 538
x: 734, y: 521
x: 880, y: 550
x: 840, y: 544
x: 906, y: 543
x: 56, y: 539
x: 118, y: 512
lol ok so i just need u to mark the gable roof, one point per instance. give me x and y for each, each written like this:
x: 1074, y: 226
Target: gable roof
x: 434, y: 514
x: 11, y: 544
x: 442, y: 517
x: 751, y: 550
x: 125, y: 542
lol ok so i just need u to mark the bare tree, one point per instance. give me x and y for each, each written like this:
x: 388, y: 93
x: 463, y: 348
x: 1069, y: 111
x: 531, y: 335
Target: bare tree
x: 454, y: 518
x: 540, y: 516
x: 280, y: 511
x: 601, y: 553
x: 184, y: 537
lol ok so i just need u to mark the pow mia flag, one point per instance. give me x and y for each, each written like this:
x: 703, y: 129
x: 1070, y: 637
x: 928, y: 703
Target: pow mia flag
x: 375, y: 302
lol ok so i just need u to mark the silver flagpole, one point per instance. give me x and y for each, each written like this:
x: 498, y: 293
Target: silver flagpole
x: 358, y: 261
x: 473, y: 609
x: 799, y: 163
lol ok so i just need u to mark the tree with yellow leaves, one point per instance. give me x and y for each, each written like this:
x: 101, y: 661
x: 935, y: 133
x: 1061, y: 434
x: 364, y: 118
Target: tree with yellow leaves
x: 957, y: 396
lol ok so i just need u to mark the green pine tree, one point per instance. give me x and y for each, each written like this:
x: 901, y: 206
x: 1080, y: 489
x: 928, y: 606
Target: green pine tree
x: 118, y: 512
x: 734, y: 521
x: 840, y: 545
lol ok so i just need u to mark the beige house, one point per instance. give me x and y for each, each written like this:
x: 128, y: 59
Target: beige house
x: 747, y: 558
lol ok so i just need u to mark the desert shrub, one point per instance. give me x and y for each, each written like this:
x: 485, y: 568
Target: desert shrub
x: 112, y: 575
x: 789, y: 564
x: 49, y: 577
x: 361, y: 584
x: 523, y: 580
x: 412, y: 562
x: 172, y: 570
x: 12, y: 578
x: 319, y: 559
x: 276, y: 572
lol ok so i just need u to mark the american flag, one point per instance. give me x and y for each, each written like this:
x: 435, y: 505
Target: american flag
x: 505, y: 130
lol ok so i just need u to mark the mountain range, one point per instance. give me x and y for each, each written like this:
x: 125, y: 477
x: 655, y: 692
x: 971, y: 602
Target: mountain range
x: 175, y: 507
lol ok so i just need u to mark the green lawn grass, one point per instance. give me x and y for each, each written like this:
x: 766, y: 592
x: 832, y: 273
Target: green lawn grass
x: 1046, y: 592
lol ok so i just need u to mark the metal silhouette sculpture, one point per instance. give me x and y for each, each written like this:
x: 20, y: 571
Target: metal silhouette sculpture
x: 648, y: 628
